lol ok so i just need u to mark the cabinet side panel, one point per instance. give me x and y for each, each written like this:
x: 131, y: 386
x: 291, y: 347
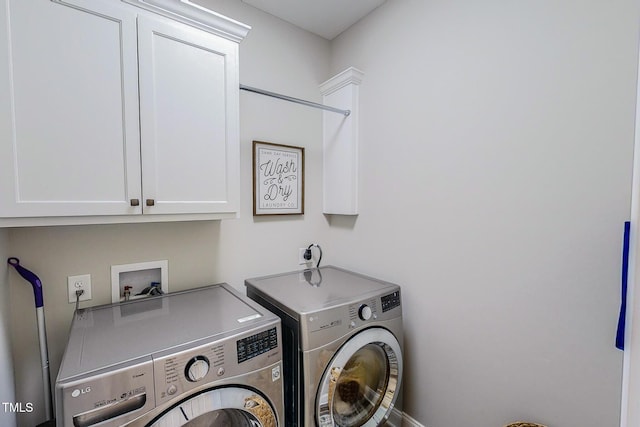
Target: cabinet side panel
x: 7, y: 182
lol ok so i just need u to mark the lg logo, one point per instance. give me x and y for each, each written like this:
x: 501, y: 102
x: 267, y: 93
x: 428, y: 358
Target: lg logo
x: 79, y: 391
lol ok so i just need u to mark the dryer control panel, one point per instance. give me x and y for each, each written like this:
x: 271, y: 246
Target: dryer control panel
x: 373, y: 308
x: 364, y: 310
x: 390, y: 301
x: 330, y: 324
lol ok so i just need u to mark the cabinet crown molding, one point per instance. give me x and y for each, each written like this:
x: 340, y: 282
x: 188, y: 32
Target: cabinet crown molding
x: 349, y: 76
x: 197, y: 16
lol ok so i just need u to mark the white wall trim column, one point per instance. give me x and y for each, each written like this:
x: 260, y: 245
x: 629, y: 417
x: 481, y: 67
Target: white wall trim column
x: 340, y: 143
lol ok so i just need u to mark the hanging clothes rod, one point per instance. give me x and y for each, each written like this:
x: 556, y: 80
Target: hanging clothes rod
x: 296, y: 100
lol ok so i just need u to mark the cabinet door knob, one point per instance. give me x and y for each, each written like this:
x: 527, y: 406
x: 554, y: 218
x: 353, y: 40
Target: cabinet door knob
x: 151, y: 202
x: 135, y: 202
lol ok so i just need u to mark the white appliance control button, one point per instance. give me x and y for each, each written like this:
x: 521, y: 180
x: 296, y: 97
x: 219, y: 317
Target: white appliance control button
x: 197, y: 368
x: 172, y: 390
x: 220, y: 371
x: 364, y: 312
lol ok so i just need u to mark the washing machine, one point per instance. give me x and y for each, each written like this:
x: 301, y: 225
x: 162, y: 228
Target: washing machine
x: 203, y: 357
x: 342, y: 344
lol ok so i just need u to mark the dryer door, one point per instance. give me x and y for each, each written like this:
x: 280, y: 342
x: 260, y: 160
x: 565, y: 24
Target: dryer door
x: 359, y: 385
x: 224, y: 406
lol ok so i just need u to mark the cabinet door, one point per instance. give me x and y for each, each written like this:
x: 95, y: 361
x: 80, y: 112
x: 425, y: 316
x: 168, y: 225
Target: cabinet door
x: 188, y: 118
x: 69, y: 136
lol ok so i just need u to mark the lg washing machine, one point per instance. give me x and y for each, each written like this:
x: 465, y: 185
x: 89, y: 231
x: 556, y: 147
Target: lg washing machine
x: 203, y: 357
x: 342, y: 346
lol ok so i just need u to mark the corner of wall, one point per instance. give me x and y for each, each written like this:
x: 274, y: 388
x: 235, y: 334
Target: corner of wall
x: 7, y: 386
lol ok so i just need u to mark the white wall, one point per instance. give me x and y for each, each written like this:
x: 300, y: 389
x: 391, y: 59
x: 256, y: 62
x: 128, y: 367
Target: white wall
x: 496, y: 155
x: 275, y: 56
x: 7, y: 393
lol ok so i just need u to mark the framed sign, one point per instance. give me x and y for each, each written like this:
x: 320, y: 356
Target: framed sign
x: 278, y: 179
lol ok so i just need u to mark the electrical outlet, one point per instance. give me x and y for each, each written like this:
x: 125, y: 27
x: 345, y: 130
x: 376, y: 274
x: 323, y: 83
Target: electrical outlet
x: 76, y: 283
x: 301, y: 259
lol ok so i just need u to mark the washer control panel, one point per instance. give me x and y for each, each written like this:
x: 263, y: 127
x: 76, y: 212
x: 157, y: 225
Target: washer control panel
x: 177, y: 372
x: 255, y: 345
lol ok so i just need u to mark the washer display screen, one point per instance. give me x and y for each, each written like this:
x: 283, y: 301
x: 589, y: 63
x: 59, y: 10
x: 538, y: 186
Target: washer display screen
x: 257, y: 344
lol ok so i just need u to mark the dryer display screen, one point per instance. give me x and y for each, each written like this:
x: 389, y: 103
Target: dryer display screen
x: 257, y: 344
x: 390, y: 301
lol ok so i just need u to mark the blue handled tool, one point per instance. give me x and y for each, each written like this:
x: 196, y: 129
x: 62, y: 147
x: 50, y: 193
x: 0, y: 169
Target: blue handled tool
x: 42, y: 333
x: 31, y: 278
x: 625, y: 271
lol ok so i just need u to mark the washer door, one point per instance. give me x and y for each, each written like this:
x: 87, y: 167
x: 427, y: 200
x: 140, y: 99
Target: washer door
x: 225, y: 406
x: 358, y: 388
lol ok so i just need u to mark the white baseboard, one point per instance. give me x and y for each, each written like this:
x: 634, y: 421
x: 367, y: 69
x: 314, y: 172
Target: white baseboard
x: 407, y: 421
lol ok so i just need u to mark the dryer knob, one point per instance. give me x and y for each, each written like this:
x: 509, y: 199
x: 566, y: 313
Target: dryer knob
x: 197, y: 368
x: 364, y: 312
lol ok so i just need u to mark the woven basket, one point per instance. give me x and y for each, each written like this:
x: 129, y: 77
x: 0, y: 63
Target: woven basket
x: 523, y: 424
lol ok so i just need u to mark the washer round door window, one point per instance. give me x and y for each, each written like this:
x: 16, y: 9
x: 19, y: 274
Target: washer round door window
x: 225, y: 406
x: 358, y: 387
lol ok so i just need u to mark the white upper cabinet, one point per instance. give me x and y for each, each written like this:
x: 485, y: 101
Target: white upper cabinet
x: 113, y: 113
x: 188, y: 82
x: 70, y: 136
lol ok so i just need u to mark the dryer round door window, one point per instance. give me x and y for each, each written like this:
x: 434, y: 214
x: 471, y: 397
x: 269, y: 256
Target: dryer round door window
x: 225, y: 406
x: 358, y: 387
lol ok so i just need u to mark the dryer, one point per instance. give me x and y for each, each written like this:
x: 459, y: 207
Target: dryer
x: 342, y: 343
x: 206, y: 356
